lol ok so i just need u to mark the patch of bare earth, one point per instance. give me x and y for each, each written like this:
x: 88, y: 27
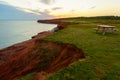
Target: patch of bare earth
x: 21, y: 48
x: 36, y: 55
x: 44, y: 56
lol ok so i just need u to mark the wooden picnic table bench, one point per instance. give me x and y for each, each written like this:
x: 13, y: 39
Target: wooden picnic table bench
x: 105, y: 28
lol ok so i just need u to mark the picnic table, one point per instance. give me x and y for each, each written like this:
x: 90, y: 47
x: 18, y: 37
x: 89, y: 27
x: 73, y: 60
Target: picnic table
x: 105, y: 28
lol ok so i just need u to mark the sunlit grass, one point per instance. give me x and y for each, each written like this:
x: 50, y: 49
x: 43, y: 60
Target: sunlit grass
x: 102, y: 52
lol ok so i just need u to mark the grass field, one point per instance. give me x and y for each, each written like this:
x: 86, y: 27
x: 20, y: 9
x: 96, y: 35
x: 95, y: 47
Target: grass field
x: 26, y: 77
x: 102, y: 52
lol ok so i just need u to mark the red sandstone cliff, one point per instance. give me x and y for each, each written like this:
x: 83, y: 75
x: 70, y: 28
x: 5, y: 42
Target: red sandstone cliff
x: 37, y: 55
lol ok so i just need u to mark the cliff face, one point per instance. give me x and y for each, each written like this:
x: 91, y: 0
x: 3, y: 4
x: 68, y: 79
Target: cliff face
x: 61, y: 24
x: 24, y: 47
x: 38, y: 56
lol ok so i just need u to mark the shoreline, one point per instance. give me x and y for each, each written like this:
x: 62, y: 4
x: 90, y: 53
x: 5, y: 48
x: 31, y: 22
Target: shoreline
x: 20, y: 31
x: 11, y: 49
x: 28, y: 56
x: 7, y: 52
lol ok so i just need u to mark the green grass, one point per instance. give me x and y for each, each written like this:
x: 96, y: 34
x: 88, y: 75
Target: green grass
x: 27, y: 77
x: 102, y: 52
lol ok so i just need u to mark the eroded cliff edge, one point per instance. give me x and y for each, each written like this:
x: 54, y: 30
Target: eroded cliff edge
x: 37, y: 55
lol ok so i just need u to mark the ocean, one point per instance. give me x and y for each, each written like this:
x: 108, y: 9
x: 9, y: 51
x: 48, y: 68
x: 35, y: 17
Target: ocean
x: 12, y: 32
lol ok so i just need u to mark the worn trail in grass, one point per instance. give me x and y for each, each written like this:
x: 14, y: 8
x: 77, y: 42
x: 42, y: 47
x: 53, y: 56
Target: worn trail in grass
x: 102, y: 52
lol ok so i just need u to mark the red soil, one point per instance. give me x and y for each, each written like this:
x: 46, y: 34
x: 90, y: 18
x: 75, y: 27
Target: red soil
x: 36, y: 55
x: 61, y: 24
x: 24, y: 47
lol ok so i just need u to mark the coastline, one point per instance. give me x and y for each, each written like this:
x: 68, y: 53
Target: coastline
x: 7, y: 52
x: 23, y: 58
x: 19, y: 31
x: 24, y: 46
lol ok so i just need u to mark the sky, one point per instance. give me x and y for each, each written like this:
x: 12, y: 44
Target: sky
x: 66, y: 8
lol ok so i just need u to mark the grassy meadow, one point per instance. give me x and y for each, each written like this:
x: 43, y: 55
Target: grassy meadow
x: 102, y: 52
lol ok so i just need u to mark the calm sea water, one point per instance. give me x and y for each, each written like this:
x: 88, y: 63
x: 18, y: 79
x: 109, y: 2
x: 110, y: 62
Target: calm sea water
x: 12, y: 32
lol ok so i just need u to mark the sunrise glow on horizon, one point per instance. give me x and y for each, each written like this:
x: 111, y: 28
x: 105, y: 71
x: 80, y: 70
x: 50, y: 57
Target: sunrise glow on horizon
x: 67, y: 8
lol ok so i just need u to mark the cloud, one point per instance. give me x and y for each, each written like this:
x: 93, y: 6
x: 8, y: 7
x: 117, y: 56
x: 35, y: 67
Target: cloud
x: 11, y: 12
x: 57, y: 8
x: 29, y: 10
x: 42, y: 14
x: 47, y: 11
x: 47, y: 1
x: 92, y: 7
x: 3, y: 2
x: 52, y: 9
